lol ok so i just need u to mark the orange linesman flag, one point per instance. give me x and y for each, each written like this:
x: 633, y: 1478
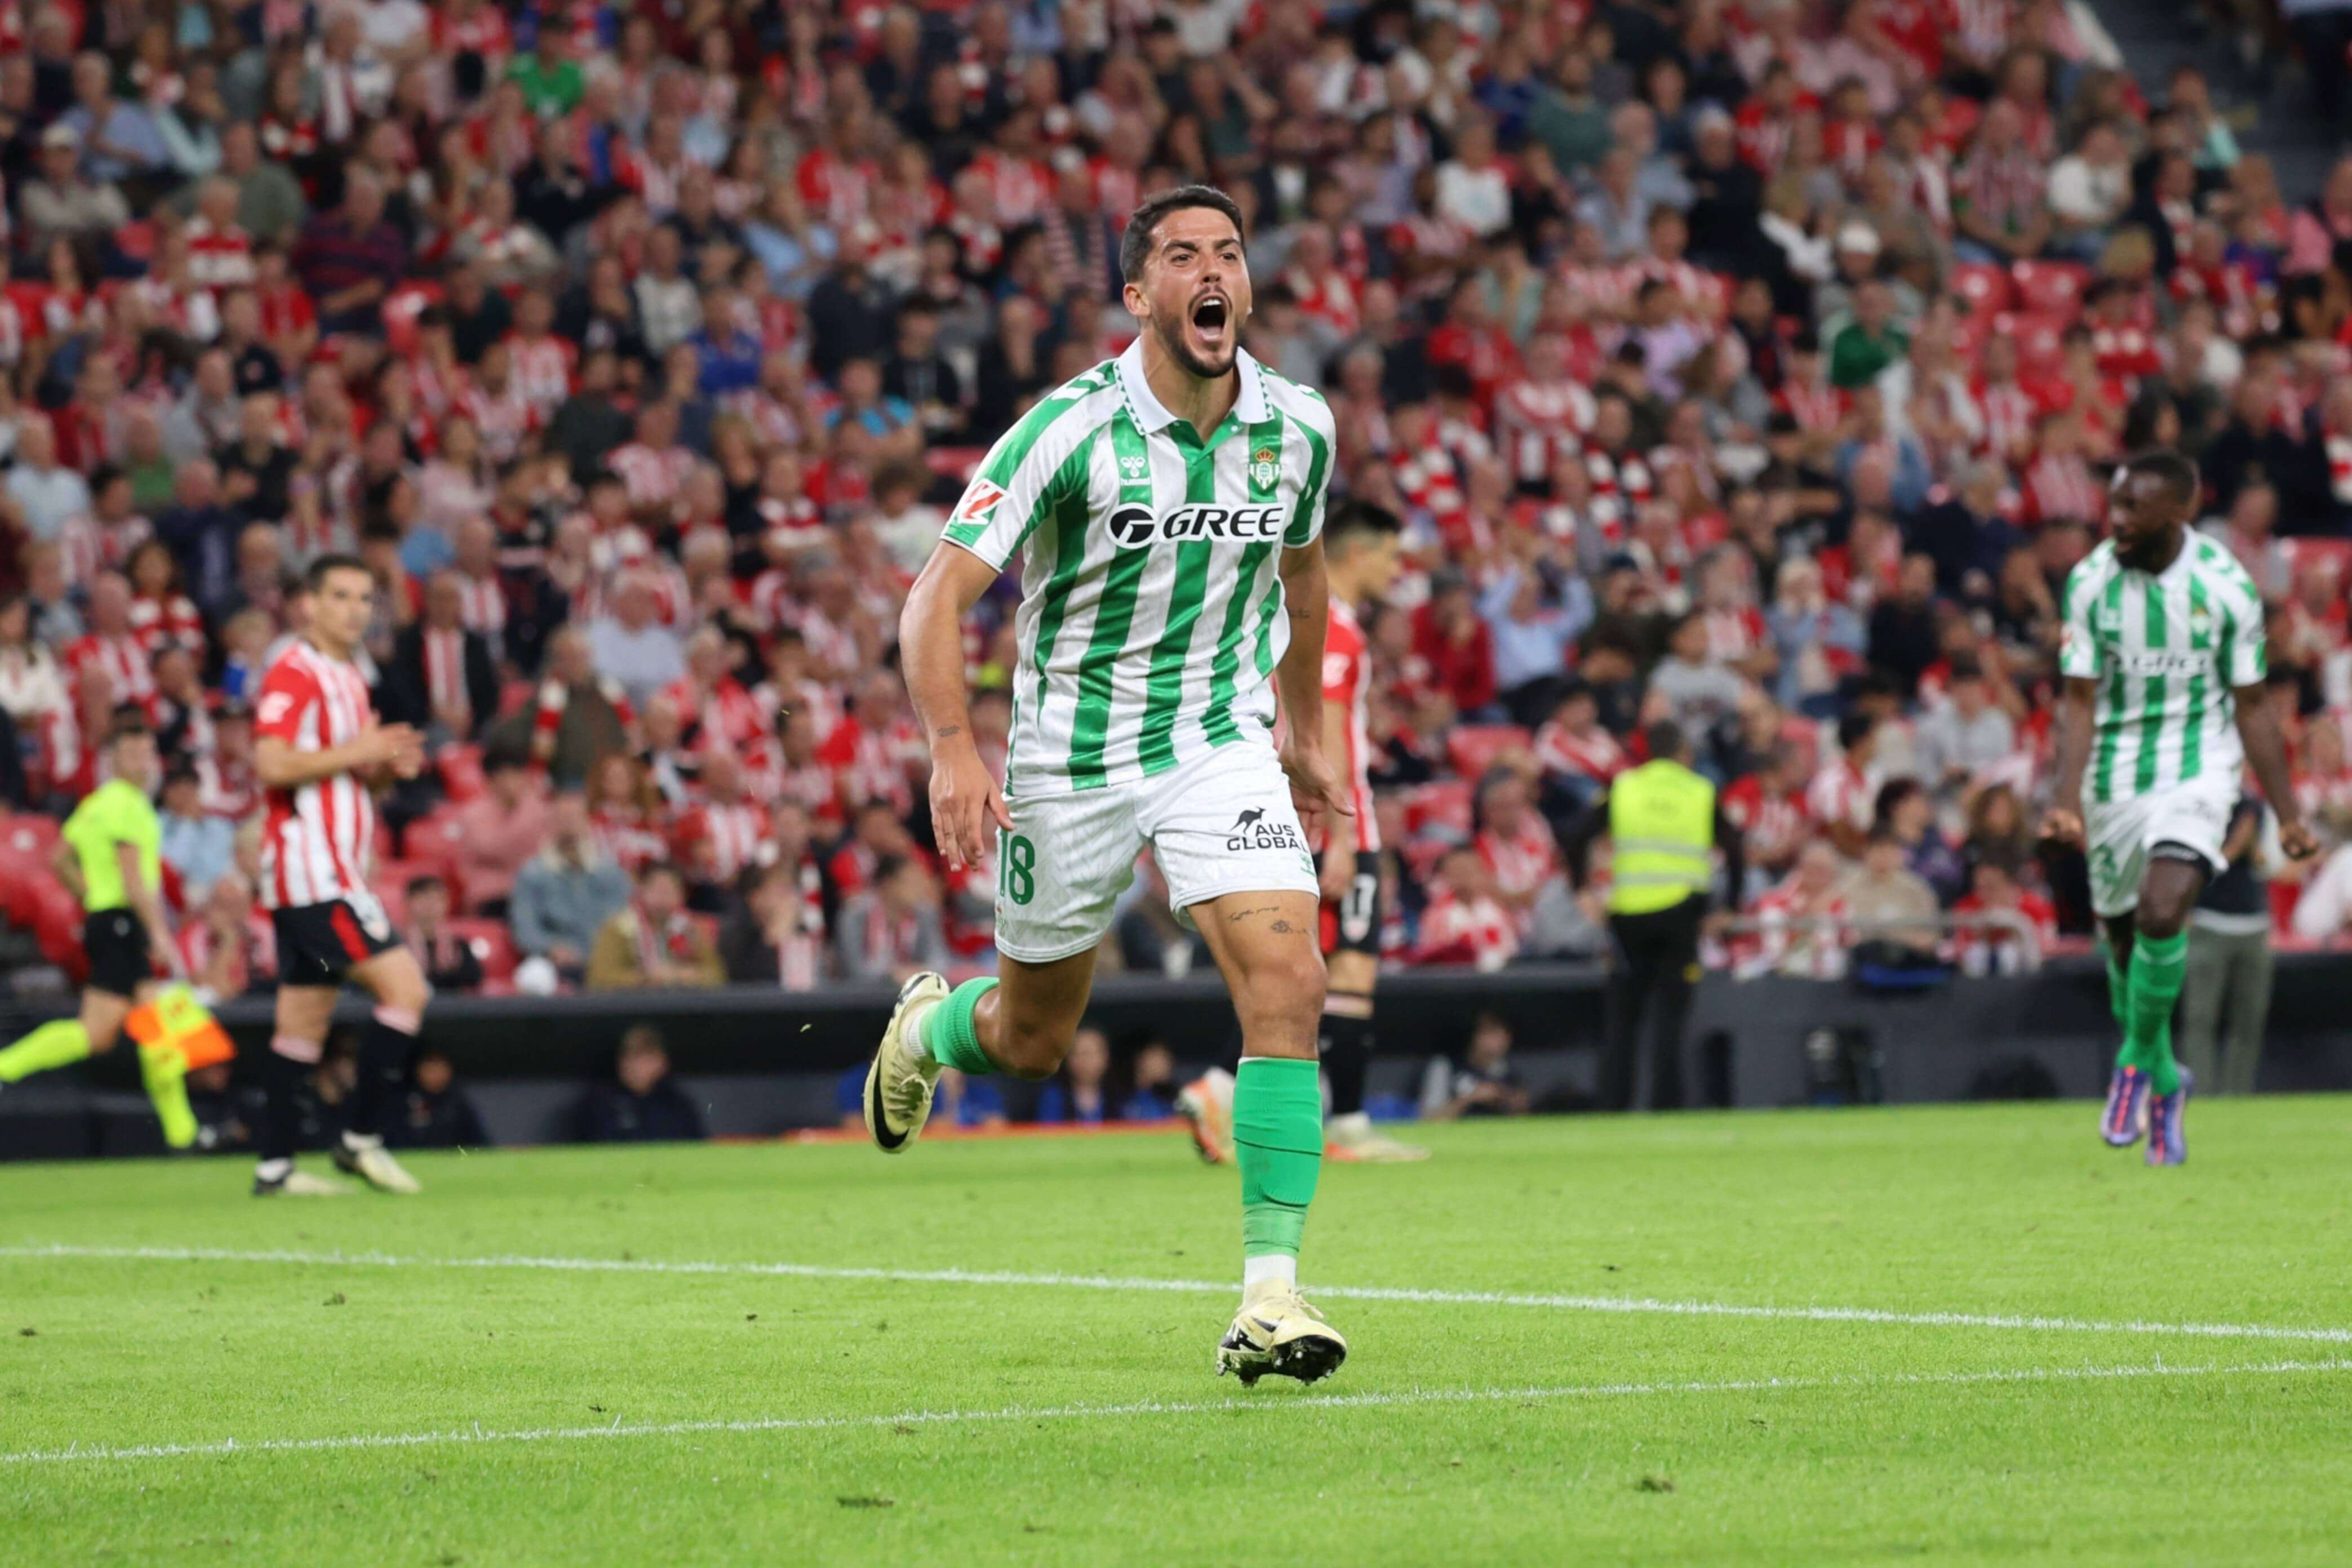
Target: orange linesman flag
x: 175, y: 1021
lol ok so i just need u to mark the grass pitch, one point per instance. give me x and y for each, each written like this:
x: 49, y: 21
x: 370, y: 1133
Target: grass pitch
x: 2061, y: 1356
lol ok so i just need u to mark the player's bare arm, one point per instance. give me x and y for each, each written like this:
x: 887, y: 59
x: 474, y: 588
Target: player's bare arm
x: 2266, y: 755
x: 66, y: 864
x: 146, y: 903
x: 2072, y: 722
x: 1315, y: 785
x: 1342, y: 834
x: 965, y: 798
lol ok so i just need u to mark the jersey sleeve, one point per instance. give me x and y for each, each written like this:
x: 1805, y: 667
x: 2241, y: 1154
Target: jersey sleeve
x: 1313, y: 417
x: 2245, y: 646
x: 1018, y: 481
x: 287, y: 693
x: 2078, y: 649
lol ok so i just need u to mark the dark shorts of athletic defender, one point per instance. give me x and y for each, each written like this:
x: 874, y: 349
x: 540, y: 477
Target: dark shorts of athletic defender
x: 1352, y: 924
x: 319, y: 943
x: 115, y: 942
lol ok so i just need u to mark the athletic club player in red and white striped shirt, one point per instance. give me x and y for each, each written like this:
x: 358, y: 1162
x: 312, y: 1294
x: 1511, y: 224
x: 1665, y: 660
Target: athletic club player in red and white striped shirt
x: 319, y: 752
x: 1360, y: 559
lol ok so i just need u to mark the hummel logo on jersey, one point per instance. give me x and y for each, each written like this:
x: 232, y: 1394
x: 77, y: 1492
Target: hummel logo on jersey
x: 979, y: 502
x: 1136, y: 527
x: 1135, y: 463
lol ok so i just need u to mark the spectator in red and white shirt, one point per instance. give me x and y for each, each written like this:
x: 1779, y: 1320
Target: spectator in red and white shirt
x: 1843, y: 795
x: 2001, y: 926
x: 1516, y: 843
x: 722, y: 832
x: 1768, y: 808
x: 1797, y: 931
x: 1466, y: 922
x: 1575, y: 752
x: 111, y: 644
x: 220, y: 253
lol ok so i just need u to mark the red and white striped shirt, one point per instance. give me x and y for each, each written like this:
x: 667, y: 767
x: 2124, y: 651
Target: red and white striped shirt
x: 1537, y: 423
x: 1522, y: 862
x: 123, y: 658
x: 540, y: 369
x: 218, y: 258
x: 445, y: 670
x: 316, y: 843
x: 649, y: 476
x: 719, y: 838
x: 1346, y: 681
x: 1478, y: 931
x: 1595, y: 756
x: 1773, y: 828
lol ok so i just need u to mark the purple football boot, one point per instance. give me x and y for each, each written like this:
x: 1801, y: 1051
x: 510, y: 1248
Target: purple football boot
x: 2125, y: 1116
x: 2168, y: 1140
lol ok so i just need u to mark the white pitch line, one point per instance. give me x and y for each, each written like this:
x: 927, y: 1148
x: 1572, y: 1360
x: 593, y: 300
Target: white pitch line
x: 476, y: 1435
x: 1627, y: 1304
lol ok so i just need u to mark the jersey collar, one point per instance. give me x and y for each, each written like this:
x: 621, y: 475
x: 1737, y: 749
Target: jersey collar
x: 1151, y: 417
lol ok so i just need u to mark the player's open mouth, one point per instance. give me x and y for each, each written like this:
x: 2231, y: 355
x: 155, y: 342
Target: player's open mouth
x: 1212, y: 313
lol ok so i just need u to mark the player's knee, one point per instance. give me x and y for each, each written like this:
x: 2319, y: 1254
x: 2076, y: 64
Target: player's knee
x: 1285, y: 990
x: 2160, y: 918
x: 1028, y: 1048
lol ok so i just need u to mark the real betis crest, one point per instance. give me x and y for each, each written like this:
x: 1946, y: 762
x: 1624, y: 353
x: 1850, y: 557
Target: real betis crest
x: 1263, y: 467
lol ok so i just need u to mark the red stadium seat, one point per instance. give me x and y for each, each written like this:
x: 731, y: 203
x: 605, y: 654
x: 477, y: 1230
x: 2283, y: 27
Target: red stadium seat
x: 2305, y: 554
x: 493, y: 944
x: 461, y: 771
x: 1472, y: 748
x: 2040, y: 341
x: 2051, y: 288
x: 32, y: 837
x: 1441, y: 806
x: 1987, y: 288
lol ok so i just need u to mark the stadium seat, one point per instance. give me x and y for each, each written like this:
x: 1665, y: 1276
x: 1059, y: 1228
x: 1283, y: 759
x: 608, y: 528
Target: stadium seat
x: 2050, y: 287
x: 2039, y: 338
x: 1472, y: 748
x: 2304, y: 553
x: 32, y: 837
x: 493, y: 944
x: 1987, y: 288
x: 461, y: 771
x: 1441, y: 806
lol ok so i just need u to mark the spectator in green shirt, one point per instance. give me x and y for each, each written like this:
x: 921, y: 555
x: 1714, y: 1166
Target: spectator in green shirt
x: 111, y: 854
x: 1871, y: 341
x: 550, y: 79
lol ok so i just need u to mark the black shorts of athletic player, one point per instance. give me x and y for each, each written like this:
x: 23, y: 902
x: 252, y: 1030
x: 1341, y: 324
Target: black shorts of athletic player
x: 1351, y: 923
x: 115, y: 941
x: 319, y: 943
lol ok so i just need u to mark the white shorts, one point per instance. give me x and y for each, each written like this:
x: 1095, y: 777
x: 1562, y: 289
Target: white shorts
x: 1221, y: 822
x: 2120, y: 833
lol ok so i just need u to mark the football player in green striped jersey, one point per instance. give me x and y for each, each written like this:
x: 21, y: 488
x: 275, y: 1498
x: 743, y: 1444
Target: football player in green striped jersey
x: 1166, y: 508
x: 2163, y: 661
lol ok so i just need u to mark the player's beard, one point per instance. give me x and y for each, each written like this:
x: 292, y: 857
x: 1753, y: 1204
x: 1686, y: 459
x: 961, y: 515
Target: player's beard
x: 1171, y: 337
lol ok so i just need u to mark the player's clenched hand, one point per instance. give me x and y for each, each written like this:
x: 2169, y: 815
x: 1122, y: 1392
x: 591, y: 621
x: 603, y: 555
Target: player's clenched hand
x: 2062, y: 825
x: 387, y: 743
x: 965, y: 803
x: 2297, y: 840
x: 1315, y: 786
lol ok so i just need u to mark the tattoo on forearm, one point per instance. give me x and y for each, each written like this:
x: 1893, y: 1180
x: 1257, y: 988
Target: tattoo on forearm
x: 945, y: 730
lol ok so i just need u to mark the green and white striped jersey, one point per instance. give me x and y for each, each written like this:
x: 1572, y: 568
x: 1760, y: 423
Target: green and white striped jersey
x: 1151, y: 606
x: 2168, y: 650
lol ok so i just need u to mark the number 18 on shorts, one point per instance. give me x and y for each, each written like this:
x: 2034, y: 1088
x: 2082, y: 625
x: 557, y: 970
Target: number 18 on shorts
x: 1220, y: 823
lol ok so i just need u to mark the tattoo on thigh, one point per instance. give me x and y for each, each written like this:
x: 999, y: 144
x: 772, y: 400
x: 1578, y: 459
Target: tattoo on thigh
x: 1285, y: 927
x: 1246, y: 913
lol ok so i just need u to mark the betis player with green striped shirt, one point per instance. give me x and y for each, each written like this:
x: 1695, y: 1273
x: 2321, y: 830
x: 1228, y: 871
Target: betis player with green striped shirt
x: 2163, y: 662
x: 1166, y: 510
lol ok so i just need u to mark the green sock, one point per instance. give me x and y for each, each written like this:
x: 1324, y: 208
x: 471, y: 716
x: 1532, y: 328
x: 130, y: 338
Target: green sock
x: 57, y: 1044
x: 2156, y: 966
x: 1278, y: 1139
x: 2119, y: 1003
x: 164, y: 1072
x: 948, y: 1033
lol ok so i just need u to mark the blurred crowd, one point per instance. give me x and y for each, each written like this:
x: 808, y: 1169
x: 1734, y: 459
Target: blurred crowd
x: 1755, y: 365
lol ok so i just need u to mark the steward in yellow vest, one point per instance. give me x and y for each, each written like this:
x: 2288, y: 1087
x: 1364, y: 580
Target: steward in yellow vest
x: 1665, y: 828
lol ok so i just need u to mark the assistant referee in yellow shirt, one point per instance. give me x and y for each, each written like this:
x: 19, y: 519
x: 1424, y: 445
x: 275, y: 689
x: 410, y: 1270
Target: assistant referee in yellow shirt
x: 1664, y: 827
x: 111, y: 854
